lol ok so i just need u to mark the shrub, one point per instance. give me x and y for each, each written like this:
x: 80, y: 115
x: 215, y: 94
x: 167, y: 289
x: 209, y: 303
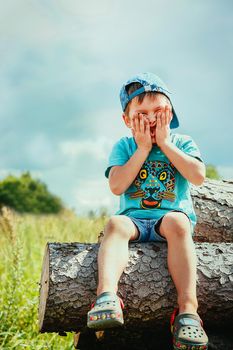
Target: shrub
x: 212, y: 172
x: 27, y: 195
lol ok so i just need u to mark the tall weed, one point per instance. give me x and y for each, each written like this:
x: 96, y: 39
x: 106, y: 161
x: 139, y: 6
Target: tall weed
x: 22, y: 240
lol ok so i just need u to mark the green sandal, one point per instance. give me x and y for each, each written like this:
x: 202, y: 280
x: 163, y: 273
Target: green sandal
x: 188, y: 332
x: 106, y: 312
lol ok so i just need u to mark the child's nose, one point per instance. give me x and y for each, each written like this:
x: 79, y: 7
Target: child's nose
x: 152, y: 120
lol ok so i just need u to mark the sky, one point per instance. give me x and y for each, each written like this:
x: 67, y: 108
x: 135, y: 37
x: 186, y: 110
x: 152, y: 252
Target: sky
x: 63, y: 63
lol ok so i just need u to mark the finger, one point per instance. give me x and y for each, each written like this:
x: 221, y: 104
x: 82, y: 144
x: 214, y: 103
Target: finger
x: 163, y: 118
x: 133, y: 123
x: 158, y: 124
x: 135, y: 114
x: 136, y: 121
x: 147, y: 126
x: 141, y: 123
x: 167, y: 113
x: 148, y: 130
x: 135, y: 118
x: 157, y: 113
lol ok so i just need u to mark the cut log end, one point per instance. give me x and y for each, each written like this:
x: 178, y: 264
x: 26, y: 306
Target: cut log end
x: 44, y: 288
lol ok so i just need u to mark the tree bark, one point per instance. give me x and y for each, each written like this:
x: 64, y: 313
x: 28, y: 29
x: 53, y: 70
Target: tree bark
x: 213, y: 203
x: 69, y: 276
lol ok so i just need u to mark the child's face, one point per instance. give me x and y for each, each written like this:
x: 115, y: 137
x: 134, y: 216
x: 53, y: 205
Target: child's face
x: 149, y: 108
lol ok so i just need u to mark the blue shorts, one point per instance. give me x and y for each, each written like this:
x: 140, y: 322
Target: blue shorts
x: 148, y: 230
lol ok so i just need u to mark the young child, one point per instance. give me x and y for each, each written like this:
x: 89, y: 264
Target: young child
x: 151, y: 172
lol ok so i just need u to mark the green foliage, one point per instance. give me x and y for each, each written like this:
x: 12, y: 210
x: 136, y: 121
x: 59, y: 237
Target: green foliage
x: 212, y: 172
x: 27, y: 195
x: 22, y: 240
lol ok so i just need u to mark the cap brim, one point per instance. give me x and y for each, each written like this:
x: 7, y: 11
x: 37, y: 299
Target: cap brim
x: 174, y: 122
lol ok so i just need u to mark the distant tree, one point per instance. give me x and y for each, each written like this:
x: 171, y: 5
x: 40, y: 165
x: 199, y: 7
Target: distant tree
x: 91, y: 214
x: 212, y: 172
x: 103, y: 212
x: 27, y: 195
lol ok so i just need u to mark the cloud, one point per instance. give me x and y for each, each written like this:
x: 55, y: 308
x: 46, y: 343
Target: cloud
x: 94, y: 194
x: 40, y: 151
x: 79, y: 190
x: 63, y: 63
x: 98, y: 148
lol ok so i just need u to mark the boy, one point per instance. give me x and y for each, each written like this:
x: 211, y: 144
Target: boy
x: 151, y: 172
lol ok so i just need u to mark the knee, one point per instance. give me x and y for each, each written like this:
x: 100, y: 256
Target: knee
x: 176, y: 225
x: 117, y: 226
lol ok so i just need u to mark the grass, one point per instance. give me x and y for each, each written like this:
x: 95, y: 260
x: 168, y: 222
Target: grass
x: 22, y: 240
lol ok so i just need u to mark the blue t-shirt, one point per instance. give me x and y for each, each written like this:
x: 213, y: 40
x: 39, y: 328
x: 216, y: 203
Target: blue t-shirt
x: 159, y: 187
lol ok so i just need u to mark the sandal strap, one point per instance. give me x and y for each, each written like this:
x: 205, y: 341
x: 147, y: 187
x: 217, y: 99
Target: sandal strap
x: 173, y: 316
x: 187, y: 319
x: 184, y: 319
x: 106, y: 297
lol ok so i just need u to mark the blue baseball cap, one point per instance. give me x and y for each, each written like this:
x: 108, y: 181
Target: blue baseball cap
x: 149, y: 82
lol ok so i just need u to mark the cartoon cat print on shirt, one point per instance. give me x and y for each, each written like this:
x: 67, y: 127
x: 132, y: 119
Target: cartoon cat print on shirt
x: 155, y: 182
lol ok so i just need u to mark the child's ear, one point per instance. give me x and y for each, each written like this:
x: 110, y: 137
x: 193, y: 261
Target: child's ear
x: 126, y: 120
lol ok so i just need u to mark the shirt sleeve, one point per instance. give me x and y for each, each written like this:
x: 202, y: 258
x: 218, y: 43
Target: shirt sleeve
x: 118, y: 156
x: 189, y: 147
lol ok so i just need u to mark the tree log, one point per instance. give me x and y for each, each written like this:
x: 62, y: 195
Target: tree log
x: 213, y: 203
x: 69, y: 276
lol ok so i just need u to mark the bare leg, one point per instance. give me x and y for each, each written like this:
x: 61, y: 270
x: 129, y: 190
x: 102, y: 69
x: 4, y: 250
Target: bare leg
x: 113, y: 252
x: 175, y: 226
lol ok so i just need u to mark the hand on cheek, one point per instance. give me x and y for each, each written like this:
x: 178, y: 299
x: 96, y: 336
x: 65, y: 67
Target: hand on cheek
x: 162, y: 127
x: 141, y: 132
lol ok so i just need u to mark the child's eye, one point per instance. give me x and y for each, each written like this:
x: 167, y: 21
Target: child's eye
x: 143, y: 114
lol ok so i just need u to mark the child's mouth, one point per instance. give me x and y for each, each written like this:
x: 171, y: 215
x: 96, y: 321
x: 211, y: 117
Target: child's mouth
x: 152, y: 134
